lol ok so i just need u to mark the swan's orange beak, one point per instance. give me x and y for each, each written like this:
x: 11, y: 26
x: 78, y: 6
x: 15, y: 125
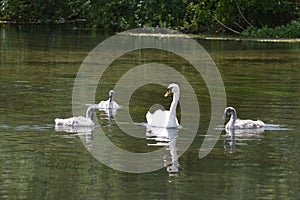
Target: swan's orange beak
x: 168, y: 92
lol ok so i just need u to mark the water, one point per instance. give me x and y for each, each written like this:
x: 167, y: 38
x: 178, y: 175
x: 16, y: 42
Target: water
x: 38, y: 68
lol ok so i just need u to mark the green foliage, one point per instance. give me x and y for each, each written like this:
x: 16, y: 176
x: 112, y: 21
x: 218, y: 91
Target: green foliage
x: 189, y: 15
x: 41, y: 10
x: 239, y: 14
x: 198, y: 15
x: 291, y: 30
x: 121, y: 15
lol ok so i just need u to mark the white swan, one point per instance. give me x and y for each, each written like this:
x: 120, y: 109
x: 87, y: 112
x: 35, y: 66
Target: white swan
x: 79, y: 121
x: 235, y: 123
x: 110, y: 103
x: 166, y: 118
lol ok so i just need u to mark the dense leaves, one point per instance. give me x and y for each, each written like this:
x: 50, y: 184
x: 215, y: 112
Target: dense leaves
x: 189, y: 15
x: 42, y: 10
x: 291, y: 30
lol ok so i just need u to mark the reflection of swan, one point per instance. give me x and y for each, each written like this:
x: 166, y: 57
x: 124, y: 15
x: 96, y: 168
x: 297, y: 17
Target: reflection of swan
x: 166, y: 118
x: 78, y: 129
x: 108, y: 115
x: 168, y: 138
x: 161, y: 133
x: 240, y: 137
x: 235, y: 123
x: 78, y: 121
x: 85, y: 133
x: 110, y: 103
x: 229, y: 140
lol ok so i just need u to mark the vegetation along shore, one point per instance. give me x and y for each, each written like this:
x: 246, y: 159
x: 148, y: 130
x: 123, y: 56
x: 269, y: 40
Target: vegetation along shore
x: 272, y: 20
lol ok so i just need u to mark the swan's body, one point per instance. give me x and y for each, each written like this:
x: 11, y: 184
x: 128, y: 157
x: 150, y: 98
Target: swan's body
x: 110, y: 103
x: 235, y: 123
x: 79, y: 121
x: 166, y: 118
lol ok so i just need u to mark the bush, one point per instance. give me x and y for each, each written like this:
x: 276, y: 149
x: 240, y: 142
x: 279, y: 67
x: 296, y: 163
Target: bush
x: 291, y: 30
x: 187, y: 15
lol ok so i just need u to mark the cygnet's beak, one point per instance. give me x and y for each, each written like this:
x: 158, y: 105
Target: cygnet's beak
x: 168, y: 92
x: 224, y: 115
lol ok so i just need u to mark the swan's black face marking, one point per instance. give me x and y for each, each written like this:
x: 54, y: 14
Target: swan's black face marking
x: 229, y: 111
x: 169, y: 91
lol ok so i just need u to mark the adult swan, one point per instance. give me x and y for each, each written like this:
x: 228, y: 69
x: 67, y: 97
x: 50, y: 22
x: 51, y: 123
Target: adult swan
x: 166, y: 118
x: 235, y: 123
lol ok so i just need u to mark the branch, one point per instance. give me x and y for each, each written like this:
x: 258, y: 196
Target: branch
x: 228, y: 28
x: 239, y: 26
x: 244, y: 18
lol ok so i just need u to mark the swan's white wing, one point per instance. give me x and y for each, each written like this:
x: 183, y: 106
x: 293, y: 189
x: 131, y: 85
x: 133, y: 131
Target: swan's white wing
x: 248, y: 124
x: 115, y: 105
x: 74, y: 121
x: 157, y: 119
x: 259, y: 123
x: 64, y: 122
x: 104, y: 104
x: 82, y: 121
x: 162, y: 119
x: 149, y: 118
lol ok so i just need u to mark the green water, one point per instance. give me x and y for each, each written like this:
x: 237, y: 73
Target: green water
x: 38, y: 67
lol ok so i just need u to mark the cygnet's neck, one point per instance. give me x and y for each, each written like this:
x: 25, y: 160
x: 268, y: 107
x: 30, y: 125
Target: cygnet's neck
x: 232, y: 119
x: 110, y: 101
x: 89, y: 113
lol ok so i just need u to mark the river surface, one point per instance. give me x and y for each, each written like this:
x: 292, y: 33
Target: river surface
x: 39, y: 65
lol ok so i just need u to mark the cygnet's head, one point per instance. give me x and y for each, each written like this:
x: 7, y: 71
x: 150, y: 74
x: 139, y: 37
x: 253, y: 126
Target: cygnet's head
x: 172, y: 88
x: 229, y: 111
x: 90, y: 112
x: 111, y: 94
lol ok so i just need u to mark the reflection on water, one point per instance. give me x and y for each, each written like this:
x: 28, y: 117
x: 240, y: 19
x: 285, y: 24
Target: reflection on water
x: 165, y: 137
x: 38, y: 66
x: 240, y: 137
x: 109, y: 114
x: 82, y: 132
x: 74, y: 129
x: 106, y: 113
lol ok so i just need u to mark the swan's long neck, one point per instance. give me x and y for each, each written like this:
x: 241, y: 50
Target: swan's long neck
x: 110, y: 100
x: 89, y: 113
x: 232, y: 119
x: 174, y: 103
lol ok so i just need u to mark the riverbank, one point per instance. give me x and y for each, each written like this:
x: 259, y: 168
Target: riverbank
x: 215, y: 37
x: 167, y: 33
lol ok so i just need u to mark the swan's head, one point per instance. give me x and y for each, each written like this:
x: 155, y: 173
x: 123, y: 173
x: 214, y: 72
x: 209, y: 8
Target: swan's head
x: 229, y: 111
x: 111, y: 94
x: 172, y: 88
